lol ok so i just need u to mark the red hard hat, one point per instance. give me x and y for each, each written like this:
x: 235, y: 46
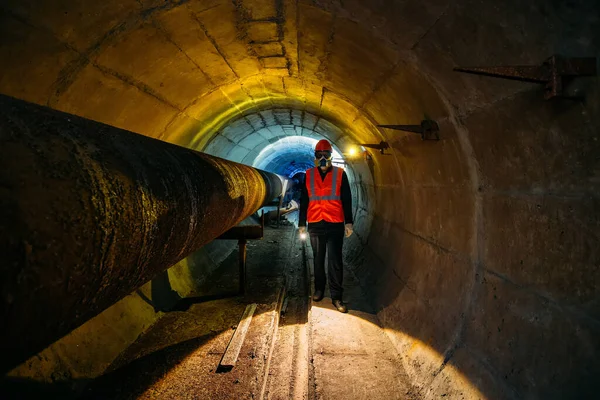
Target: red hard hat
x: 323, y: 145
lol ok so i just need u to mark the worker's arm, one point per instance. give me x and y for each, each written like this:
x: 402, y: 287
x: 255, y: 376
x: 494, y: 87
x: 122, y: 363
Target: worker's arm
x: 303, y: 205
x: 346, y: 195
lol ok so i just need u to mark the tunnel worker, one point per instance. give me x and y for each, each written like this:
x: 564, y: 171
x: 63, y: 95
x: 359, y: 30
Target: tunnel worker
x: 326, y: 203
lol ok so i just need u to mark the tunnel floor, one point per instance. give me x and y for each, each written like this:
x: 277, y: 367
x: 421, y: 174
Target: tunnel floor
x: 306, y: 351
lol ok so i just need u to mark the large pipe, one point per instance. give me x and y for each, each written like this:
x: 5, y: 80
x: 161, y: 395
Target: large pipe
x: 89, y: 213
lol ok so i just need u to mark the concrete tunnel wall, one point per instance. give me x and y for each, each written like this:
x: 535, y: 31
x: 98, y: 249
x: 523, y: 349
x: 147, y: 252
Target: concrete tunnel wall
x: 480, y: 250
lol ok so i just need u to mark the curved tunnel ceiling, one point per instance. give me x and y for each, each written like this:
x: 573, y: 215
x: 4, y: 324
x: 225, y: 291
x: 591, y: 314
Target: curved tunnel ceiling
x: 185, y: 69
x: 289, y: 156
x: 279, y: 140
x: 452, y: 236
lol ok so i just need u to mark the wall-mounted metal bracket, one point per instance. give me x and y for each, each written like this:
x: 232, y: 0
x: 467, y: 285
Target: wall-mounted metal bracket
x: 429, y: 129
x: 552, y: 72
x: 381, y: 146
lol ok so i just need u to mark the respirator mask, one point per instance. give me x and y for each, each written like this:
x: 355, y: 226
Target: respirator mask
x: 323, y: 159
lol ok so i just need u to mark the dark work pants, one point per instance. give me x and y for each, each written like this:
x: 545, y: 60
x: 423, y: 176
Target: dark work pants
x: 328, y: 239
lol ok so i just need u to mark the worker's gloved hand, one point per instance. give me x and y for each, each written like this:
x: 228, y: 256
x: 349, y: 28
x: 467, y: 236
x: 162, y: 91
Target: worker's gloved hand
x: 349, y: 229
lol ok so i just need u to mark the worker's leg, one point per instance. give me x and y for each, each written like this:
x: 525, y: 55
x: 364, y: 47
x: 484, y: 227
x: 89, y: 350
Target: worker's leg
x: 318, y: 243
x: 335, y: 268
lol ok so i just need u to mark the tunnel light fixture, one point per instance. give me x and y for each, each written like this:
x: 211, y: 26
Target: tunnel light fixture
x: 353, y: 152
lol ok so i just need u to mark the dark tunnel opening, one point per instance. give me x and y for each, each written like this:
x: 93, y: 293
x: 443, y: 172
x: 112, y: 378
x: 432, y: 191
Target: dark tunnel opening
x: 478, y: 252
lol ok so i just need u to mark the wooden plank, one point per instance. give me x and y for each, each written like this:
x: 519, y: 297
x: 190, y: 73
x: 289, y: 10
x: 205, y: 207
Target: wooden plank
x: 237, y: 340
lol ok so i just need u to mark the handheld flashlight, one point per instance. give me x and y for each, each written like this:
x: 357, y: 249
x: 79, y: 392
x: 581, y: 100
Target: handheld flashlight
x: 303, y: 236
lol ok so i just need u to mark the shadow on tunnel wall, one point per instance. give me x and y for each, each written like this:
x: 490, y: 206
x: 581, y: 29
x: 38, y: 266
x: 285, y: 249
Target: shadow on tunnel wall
x: 209, y: 273
x: 163, y: 297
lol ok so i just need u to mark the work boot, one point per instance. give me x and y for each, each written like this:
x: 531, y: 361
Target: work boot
x: 341, y: 307
x: 318, y: 295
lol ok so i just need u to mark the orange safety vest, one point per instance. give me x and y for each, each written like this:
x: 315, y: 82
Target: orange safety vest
x: 324, y: 195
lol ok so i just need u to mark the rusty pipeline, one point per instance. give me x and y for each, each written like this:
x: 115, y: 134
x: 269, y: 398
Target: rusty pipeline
x: 89, y: 213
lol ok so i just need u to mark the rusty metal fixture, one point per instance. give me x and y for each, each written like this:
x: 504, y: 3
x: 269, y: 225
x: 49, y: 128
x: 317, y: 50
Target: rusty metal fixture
x: 381, y: 146
x: 553, y: 72
x: 89, y: 213
x: 429, y: 129
x: 247, y: 230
